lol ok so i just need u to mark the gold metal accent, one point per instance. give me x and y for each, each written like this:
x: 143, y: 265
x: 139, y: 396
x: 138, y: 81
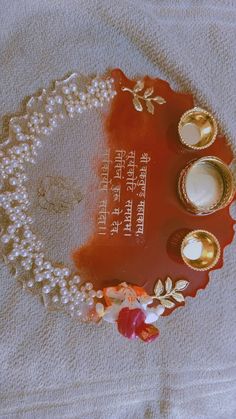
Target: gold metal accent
x: 163, y: 292
x: 228, y: 186
x: 210, y: 251
x: 146, y: 97
x: 204, y: 122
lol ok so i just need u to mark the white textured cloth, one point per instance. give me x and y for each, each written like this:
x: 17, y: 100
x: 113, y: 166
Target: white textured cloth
x: 51, y: 367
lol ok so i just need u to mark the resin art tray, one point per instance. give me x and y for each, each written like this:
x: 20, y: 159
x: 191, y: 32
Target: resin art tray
x: 161, y: 213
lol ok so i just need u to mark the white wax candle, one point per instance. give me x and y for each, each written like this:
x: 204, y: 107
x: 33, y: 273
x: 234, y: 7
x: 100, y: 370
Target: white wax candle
x: 204, y: 185
x: 193, y: 249
x: 191, y: 133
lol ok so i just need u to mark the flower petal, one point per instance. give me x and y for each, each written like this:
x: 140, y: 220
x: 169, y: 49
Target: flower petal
x: 129, y: 320
x: 160, y: 310
x: 139, y: 290
x: 111, y: 313
x: 147, y: 332
x: 151, y: 316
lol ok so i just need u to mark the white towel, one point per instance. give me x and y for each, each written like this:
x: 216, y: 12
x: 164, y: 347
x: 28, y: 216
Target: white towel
x: 52, y: 367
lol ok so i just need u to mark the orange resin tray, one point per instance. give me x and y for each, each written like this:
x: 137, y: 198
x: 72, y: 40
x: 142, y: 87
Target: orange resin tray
x: 130, y: 270
x: 121, y: 251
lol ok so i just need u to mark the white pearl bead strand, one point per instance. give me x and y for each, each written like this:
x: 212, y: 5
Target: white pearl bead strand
x: 59, y: 286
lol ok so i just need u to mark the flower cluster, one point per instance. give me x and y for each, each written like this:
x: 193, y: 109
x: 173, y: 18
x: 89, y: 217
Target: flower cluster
x: 132, y: 309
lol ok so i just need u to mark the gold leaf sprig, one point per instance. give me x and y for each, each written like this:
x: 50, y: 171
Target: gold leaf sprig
x: 167, y: 293
x: 146, y: 97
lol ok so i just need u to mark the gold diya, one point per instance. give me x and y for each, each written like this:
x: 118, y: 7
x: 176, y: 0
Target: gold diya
x: 206, y: 185
x: 197, y: 129
x: 200, y: 250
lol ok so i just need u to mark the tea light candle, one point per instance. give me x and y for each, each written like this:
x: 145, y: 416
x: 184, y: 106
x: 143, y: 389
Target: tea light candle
x: 200, y: 250
x: 197, y: 129
x: 204, y: 185
x: 191, y: 133
x: 193, y: 249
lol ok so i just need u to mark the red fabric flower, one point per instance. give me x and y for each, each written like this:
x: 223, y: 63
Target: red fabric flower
x: 129, y: 320
x: 131, y: 324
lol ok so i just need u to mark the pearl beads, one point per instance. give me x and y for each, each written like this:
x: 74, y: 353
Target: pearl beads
x: 57, y: 283
x: 96, y: 94
x: 76, y: 279
x: 46, y: 289
x: 64, y: 299
x: 99, y: 294
x: 88, y: 286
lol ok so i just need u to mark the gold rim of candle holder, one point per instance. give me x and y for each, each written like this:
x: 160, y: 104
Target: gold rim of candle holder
x: 205, y: 121
x: 210, y: 254
x: 228, y: 186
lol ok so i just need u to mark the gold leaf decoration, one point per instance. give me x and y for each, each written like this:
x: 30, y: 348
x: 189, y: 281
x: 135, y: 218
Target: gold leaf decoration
x: 148, y: 92
x: 146, y: 97
x: 158, y: 289
x: 160, y: 100
x: 139, y: 86
x: 181, y: 285
x: 167, y: 303
x: 168, y: 285
x: 150, y: 107
x: 178, y: 297
x: 167, y: 294
x: 137, y: 104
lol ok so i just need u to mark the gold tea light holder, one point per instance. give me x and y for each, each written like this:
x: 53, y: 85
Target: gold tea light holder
x: 206, y: 185
x: 200, y: 250
x: 197, y: 129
